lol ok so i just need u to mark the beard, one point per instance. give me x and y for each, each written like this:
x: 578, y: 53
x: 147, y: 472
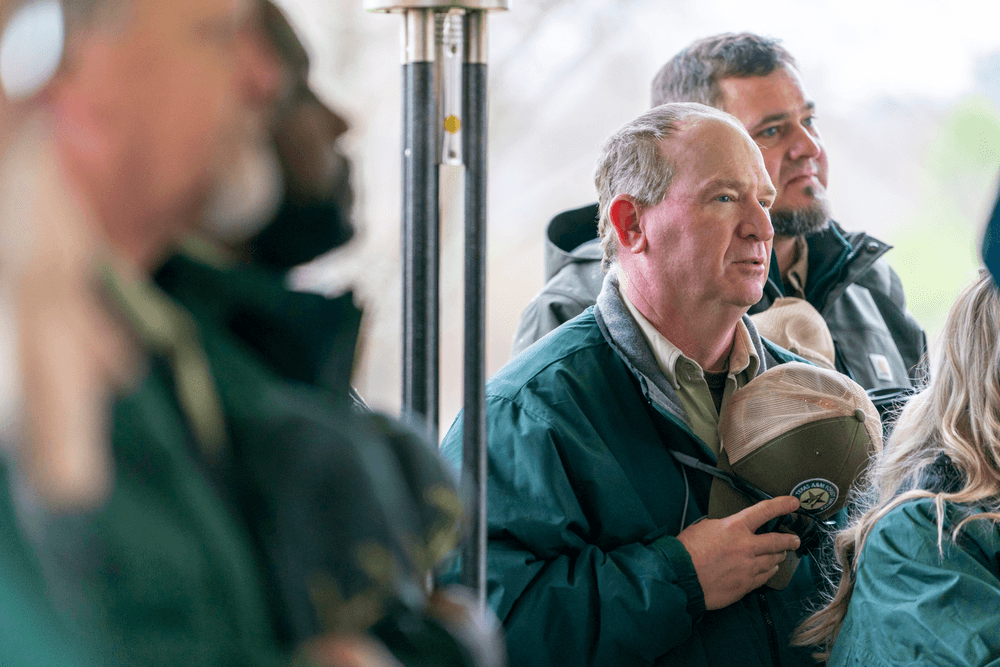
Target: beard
x: 248, y: 197
x: 801, y: 221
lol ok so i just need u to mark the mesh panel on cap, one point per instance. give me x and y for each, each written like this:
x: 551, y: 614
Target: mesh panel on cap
x: 796, y: 326
x: 789, y: 396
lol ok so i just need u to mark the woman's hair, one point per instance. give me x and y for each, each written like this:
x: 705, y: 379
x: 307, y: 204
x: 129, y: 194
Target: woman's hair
x: 957, y: 414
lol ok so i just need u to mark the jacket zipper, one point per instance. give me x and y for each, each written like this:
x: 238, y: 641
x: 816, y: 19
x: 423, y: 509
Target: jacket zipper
x: 772, y: 633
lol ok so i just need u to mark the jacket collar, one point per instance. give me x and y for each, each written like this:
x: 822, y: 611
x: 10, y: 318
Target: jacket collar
x: 626, y: 339
x: 837, y: 259
x: 305, y: 337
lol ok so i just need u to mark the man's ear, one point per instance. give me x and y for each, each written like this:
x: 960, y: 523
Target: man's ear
x: 624, y: 215
x: 83, y: 99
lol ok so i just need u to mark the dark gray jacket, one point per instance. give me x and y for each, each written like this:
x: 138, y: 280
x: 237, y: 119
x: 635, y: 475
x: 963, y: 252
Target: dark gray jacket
x: 878, y: 342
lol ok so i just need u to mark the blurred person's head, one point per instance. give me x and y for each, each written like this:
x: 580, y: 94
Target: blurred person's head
x: 684, y: 200
x: 757, y: 80
x: 945, y: 443
x: 149, y: 106
x: 154, y: 103
x: 289, y: 198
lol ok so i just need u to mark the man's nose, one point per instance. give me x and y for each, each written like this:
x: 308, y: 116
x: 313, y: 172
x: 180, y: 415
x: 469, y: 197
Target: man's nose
x: 805, y: 143
x: 335, y: 123
x: 756, y: 223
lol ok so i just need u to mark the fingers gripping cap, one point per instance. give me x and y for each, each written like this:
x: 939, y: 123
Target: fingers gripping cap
x: 796, y: 430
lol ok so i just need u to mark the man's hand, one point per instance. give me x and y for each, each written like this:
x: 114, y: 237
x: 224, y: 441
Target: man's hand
x: 730, y: 559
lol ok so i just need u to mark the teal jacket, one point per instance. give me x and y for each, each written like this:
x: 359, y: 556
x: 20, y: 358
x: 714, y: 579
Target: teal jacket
x: 164, y: 573
x: 916, y: 605
x: 31, y: 634
x: 585, y: 502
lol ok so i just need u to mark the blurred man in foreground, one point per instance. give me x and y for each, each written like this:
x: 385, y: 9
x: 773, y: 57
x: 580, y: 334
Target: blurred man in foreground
x: 841, y: 274
x: 596, y: 555
x: 150, y: 106
x: 179, y: 545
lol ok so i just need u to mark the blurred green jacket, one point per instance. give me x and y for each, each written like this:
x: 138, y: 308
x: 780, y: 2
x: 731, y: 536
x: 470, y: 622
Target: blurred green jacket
x: 31, y: 634
x: 585, y: 502
x: 310, y: 517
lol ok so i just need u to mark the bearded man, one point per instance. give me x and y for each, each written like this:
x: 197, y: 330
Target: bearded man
x: 841, y: 274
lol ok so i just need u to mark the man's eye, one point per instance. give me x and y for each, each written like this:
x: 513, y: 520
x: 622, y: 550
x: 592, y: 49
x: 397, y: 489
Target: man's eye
x: 765, y: 204
x: 769, y: 131
x: 724, y: 198
x: 808, y: 122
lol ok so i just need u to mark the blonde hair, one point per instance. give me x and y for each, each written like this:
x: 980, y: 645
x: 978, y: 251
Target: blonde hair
x: 956, y: 414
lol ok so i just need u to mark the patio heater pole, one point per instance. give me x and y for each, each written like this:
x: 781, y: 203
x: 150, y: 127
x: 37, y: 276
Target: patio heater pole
x: 444, y: 123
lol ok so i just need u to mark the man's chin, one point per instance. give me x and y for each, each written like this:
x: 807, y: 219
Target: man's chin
x: 800, y: 221
x: 747, y: 297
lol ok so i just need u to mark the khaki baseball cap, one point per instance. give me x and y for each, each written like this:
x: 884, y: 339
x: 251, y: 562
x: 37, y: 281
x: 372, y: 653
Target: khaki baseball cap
x: 796, y: 430
x: 799, y: 328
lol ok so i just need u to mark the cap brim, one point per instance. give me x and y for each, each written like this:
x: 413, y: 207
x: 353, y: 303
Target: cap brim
x: 786, y: 570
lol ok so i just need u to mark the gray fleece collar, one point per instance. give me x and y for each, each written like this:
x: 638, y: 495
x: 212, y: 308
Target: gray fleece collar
x: 626, y: 338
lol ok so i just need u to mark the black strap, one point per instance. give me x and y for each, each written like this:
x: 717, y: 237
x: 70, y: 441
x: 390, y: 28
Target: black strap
x: 740, y: 485
x: 809, y: 529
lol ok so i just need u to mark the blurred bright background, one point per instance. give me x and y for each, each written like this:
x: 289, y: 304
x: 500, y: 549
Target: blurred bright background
x: 908, y: 99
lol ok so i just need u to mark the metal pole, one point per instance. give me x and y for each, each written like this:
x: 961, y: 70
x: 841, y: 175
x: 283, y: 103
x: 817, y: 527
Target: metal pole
x: 421, y: 126
x: 420, y: 223
x: 474, y: 368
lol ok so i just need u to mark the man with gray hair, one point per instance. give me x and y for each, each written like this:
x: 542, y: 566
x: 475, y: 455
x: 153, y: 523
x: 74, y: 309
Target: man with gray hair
x: 597, y: 554
x: 841, y: 274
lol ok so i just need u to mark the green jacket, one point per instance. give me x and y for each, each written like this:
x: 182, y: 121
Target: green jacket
x: 31, y: 634
x: 585, y: 502
x: 913, y: 604
x: 164, y: 573
x: 329, y: 494
x: 878, y: 343
x: 232, y: 561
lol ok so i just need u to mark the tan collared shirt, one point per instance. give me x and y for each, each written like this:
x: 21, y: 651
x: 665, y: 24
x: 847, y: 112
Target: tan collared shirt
x: 688, y: 379
x: 166, y: 327
x: 795, y: 275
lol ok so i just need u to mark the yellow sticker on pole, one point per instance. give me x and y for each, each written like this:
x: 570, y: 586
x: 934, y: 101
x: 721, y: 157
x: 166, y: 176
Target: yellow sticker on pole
x: 452, y: 124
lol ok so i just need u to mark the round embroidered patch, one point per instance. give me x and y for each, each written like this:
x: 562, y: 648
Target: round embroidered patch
x: 815, y: 495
